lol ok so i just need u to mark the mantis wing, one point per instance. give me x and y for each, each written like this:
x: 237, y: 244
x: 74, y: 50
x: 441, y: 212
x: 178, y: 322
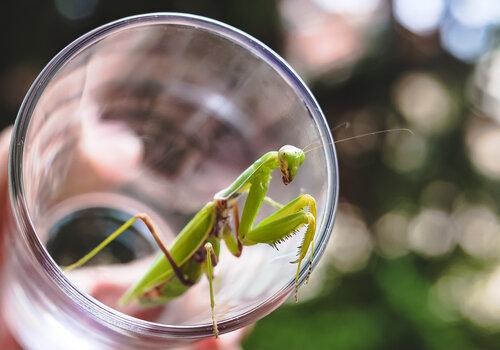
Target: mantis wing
x: 189, y: 240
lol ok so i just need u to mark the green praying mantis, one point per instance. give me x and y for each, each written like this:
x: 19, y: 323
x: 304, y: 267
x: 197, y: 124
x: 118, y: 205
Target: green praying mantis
x: 195, y: 251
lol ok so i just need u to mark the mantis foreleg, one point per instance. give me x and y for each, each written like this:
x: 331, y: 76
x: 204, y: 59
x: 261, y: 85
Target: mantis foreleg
x: 285, y: 223
x: 232, y: 241
x: 280, y: 225
x: 256, y: 195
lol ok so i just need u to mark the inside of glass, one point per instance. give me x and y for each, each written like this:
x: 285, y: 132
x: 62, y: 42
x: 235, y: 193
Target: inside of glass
x: 157, y: 119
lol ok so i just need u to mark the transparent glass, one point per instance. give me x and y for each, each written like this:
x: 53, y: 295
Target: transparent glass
x: 155, y: 113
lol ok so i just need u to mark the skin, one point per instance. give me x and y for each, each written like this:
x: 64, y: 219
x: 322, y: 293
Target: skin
x: 6, y: 339
x: 195, y: 250
x: 105, y: 288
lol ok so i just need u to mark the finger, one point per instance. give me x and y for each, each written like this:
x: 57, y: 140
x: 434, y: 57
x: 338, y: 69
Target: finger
x: 4, y: 154
x: 108, y: 284
x: 6, y: 339
x: 228, y: 341
x: 110, y: 293
x: 8, y: 342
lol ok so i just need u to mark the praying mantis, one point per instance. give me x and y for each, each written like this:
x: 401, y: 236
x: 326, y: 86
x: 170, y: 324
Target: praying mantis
x: 195, y: 250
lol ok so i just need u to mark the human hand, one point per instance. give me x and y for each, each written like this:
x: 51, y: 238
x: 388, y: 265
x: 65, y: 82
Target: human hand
x: 110, y: 287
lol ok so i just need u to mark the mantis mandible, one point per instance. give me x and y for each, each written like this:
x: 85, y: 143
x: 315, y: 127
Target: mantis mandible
x: 195, y: 250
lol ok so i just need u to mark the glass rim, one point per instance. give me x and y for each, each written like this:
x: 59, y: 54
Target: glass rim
x: 95, y: 309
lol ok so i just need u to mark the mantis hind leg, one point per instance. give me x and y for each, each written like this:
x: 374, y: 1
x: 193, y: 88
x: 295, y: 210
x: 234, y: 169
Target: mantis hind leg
x: 283, y: 224
x: 149, y: 224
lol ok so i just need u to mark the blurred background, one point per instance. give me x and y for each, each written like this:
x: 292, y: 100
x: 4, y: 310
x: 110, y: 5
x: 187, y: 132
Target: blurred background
x: 414, y: 260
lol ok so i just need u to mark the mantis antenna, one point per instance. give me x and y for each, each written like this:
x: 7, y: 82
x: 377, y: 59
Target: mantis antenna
x: 343, y: 124
x: 364, y: 135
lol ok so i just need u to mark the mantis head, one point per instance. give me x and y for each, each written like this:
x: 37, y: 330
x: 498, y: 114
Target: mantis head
x: 290, y: 158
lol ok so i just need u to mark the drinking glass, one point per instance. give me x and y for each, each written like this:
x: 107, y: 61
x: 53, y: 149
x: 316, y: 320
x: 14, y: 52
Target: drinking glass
x: 152, y: 113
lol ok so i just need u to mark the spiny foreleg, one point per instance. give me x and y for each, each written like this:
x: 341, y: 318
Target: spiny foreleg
x: 283, y: 224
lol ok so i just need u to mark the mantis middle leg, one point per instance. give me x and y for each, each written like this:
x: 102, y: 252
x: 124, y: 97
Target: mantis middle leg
x: 210, y: 261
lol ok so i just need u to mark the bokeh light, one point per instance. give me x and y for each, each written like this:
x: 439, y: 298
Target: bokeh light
x: 479, y: 231
x: 424, y: 101
x: 360, y: 122
x: 392, y: 234
x: 405, y: 153
x: 431, y: 233
x: 483, y: 146
x: 475, y: 13
x: 351, y: 240
x: 421, y: 17
x: 451, y: 290
x: 325, y: 36
x: 486, y: 85
x: 481, y: 305
x: 357, y: 8
x: 465, y: 42
x: 76, y: 9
